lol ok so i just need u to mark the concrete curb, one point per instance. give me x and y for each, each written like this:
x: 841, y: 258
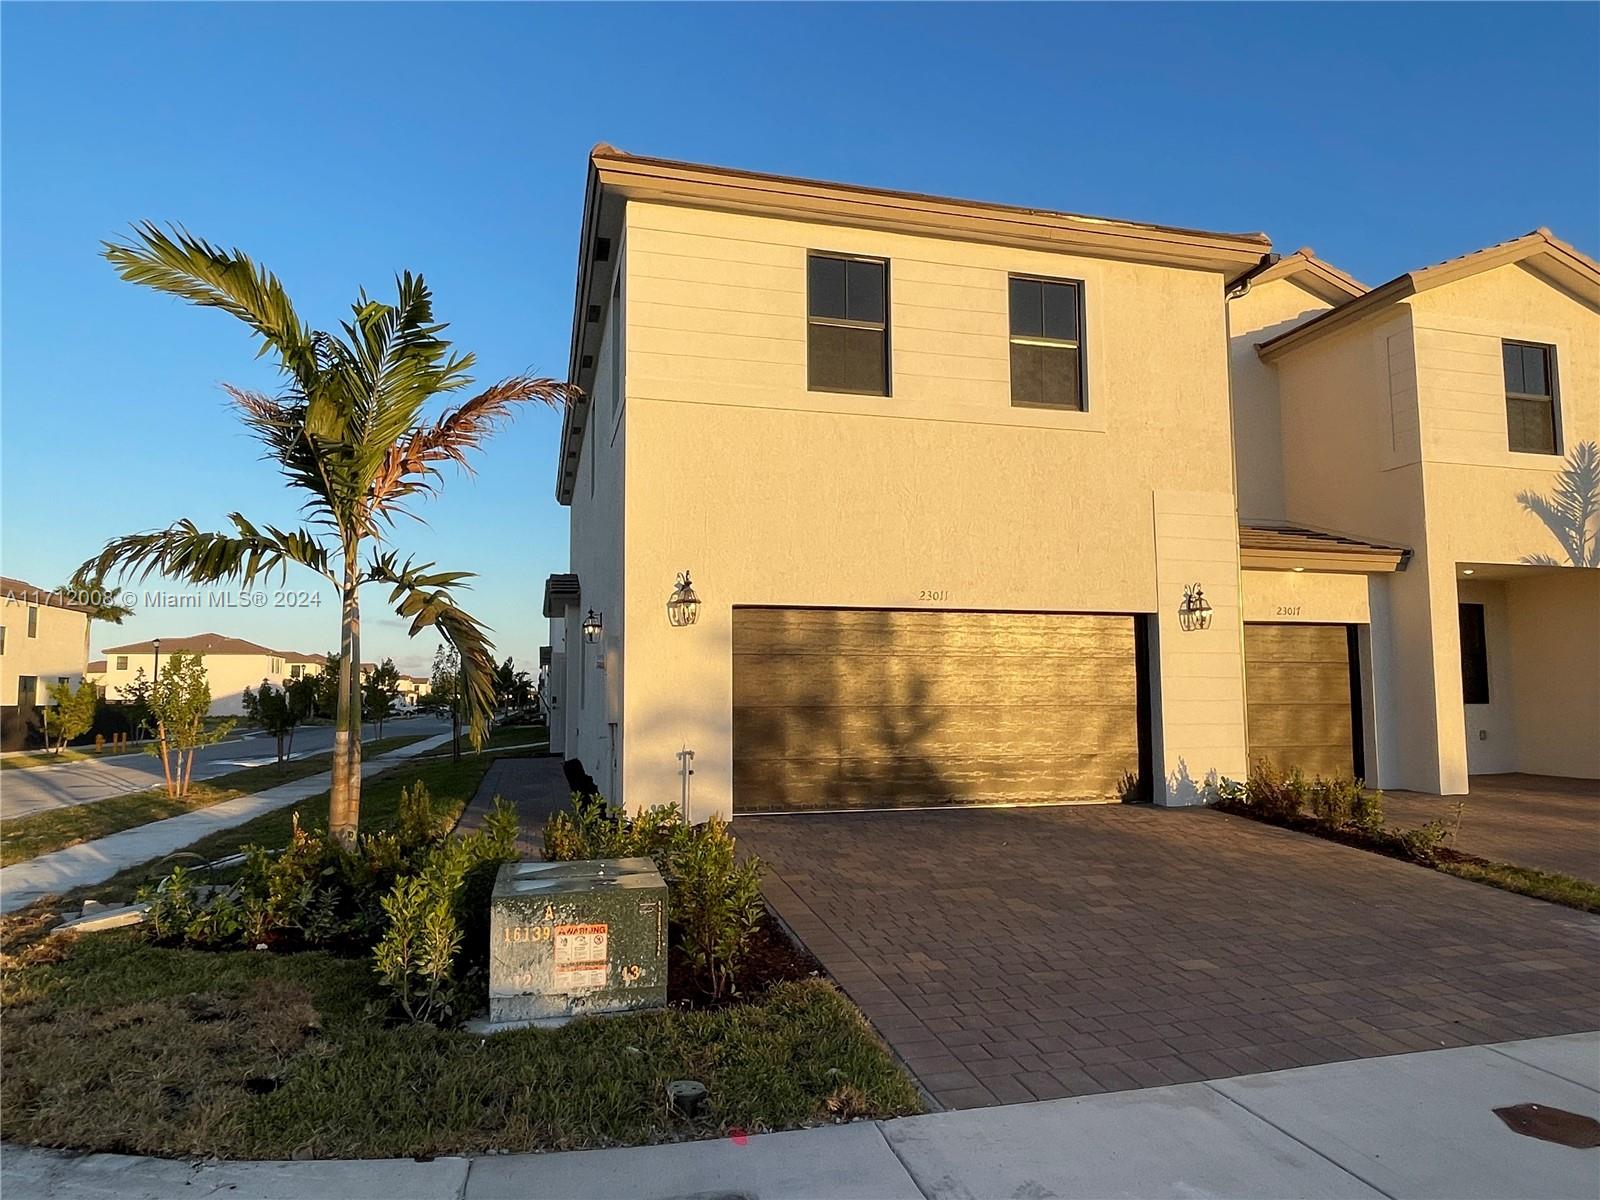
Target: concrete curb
x: 92, y: 862
x: 1410, y: 1125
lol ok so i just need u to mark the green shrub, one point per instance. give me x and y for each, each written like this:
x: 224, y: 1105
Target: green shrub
x: 1366, y: 810
x: 714, y: 901
x: 1275, y: 795
x: 1333, y: 801
x: 1422, y: 842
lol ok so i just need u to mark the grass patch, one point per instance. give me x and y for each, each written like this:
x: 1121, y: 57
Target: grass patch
x: 1525, y: 881
x: 40, y: 833
x: 115, y: 1045
x: 451, y: 786
x: 506, y: 737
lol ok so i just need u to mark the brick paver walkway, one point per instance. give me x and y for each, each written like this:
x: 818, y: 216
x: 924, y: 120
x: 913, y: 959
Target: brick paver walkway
x: 1529, y: 820
x: 1014, y: 954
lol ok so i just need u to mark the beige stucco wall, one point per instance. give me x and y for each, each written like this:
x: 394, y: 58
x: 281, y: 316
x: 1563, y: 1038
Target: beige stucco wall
x: 1395, y: 429
x: 592, y: 697
x: 228, y: 675
x: 1263, y: 312
x: 1554, y: 628
x: 939, y: 496
x: 59, y: 650
x: 1317, y: 597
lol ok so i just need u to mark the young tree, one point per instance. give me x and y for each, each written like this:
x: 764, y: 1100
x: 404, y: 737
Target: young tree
x: 70, y: 713
x: 381, y: 692
x: 444, y: 690
x: 350, y: 430
x: 301, y: 695
x: 136, y: 699
x: 279, y: 710
x: 180, y: 700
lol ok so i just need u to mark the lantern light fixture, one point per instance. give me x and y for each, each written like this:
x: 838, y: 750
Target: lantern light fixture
x: 1195, y: 611
x: 591, y: 627
x: 684, y: 606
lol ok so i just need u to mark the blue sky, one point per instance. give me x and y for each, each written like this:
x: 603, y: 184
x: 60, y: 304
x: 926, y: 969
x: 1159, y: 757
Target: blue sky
x: 341, y: 144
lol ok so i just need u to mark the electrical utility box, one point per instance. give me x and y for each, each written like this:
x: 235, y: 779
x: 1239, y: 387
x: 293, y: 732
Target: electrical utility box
x: 568, y: 939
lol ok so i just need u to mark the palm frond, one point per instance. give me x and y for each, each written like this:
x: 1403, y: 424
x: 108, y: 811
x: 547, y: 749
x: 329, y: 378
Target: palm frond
x: 425, y: 600
x: 184, y: 551
x: 192, y: 269
x: 410, y: 466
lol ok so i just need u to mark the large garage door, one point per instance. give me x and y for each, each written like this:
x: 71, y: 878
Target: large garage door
x: 856, y: 708
x: 1301, y: 698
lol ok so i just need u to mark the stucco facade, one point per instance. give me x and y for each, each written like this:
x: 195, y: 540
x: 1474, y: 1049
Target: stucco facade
x: 45, y: 639
x: 701, y: 446
x: 232, y: 665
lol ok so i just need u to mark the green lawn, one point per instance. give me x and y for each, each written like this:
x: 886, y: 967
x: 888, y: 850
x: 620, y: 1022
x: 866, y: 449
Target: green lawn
x: 115, y: 1045
x: 451, y: 786
x: 504, y: 738
x: 43, y: 758
x: 28, y: 837
x: 1526, y: 881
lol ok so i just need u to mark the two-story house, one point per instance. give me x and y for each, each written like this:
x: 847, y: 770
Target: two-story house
x: 232, y: 664
x: 1436, y: 412
x: 956, y: 486
x: 44, y: 640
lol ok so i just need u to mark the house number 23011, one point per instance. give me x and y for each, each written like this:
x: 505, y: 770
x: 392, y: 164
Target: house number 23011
x: 936, y: 594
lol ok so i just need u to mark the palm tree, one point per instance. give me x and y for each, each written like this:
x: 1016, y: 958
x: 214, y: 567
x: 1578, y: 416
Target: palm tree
x: 349, y: 431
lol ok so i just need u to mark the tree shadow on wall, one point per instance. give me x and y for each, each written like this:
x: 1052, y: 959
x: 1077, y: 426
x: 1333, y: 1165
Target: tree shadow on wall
x: 1571, y: 512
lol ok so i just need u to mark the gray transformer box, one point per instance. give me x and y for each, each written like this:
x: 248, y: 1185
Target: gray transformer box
x: 571, y: 938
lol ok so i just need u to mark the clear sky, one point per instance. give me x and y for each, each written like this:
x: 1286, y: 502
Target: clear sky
x: 341, y: 144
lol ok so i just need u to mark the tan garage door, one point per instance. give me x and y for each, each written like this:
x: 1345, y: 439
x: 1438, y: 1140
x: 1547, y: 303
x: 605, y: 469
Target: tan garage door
x: 857, y: 708
x: 1298, y: 683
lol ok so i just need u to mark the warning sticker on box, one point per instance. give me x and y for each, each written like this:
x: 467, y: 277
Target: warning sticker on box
x: 581, y: 956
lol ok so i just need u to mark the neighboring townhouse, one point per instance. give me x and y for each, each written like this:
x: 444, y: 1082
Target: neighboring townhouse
x: 232, y: 664
x: 1436, y: 413
x: 44, y: 640
x: 413, y: 688
x: 956, y: 486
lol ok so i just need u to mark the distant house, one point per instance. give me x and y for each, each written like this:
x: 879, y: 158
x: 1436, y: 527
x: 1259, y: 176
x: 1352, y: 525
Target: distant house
x: 232, y: 664
x: 44, y: 639
x: 413, y: 688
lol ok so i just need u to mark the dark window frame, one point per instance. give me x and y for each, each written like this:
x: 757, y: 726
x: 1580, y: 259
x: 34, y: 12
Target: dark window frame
x: 846, y: 323
x: 33, y: 621
x: 1474, y: 673
x: 1081, y: 346
x: 1553, y: 398
x: 122, y: 662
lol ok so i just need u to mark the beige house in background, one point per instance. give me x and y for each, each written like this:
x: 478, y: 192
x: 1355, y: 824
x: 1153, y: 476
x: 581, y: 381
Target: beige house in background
x: 232, y: 664
x: 946, y: 475
x: 44, y: 640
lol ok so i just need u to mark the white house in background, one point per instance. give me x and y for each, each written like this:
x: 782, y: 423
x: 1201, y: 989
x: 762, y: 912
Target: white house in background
x: 413, y: 688
x: 232, y: 664
x: 949, y: 476
x: 44, y: 640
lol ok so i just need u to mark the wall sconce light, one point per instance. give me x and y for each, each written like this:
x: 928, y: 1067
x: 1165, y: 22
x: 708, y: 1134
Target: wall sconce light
x: 591, y: 627
x: 1195, y: 611
x: 684, y: 607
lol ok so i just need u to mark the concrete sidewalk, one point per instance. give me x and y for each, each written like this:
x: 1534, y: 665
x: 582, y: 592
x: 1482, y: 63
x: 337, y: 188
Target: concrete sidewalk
x: 92, y: 862
x: 1413, y: 1125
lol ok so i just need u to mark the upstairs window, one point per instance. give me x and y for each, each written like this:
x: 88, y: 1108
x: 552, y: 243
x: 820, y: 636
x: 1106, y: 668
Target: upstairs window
x: 1047, y: 343
x: 847, y: 324
x: 1530, y: 397
x: 122, y: 662
x: 33, y: 622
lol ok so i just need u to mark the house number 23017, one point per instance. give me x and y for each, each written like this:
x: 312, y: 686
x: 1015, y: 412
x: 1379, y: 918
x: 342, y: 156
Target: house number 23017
x: 1288, y: 610
x: 938, y: 594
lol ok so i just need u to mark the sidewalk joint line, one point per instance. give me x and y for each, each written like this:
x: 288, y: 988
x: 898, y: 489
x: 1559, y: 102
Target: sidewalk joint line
x: 1271, y: 1124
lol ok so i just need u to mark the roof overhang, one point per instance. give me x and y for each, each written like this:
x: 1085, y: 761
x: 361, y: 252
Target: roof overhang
x: 1541, y: 251
x: 1319, y: 277
x: 1282, y: 547
x: 616, y: 177
x: 561, y: 592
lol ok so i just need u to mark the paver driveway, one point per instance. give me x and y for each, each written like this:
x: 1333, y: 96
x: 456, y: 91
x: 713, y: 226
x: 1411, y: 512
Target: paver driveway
x: 1015, y: 954
x: 1529, y: 820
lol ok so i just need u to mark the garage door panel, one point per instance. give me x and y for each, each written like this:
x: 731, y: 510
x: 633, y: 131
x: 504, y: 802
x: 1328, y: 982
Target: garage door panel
x: 872, y: 708
x: 769, y: 680
x: 1297, y: 690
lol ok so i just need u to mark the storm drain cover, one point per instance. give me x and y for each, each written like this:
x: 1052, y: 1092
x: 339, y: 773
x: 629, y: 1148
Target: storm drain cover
x: 1552, y: 1125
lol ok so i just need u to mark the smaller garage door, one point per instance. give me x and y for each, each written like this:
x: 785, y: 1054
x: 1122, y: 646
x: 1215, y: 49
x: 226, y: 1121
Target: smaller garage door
x: 1301, y: 694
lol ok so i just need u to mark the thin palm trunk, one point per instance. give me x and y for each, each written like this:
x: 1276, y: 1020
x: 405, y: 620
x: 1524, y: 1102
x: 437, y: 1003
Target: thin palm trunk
x: 344, y: 804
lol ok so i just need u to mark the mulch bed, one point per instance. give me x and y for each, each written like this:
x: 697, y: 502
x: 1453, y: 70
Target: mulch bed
x: 774, y: 957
